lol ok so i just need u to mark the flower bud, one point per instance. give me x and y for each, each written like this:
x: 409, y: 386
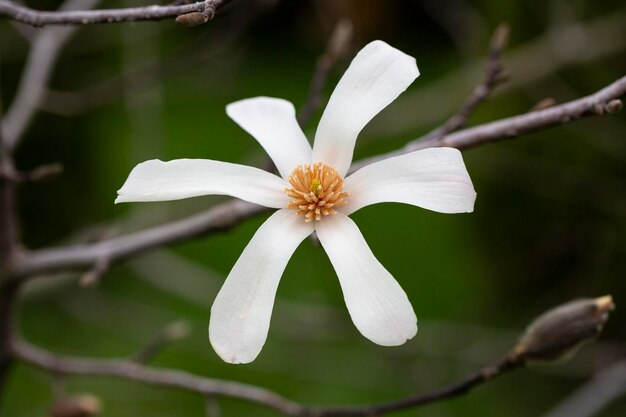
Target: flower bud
x: 192, y: 19
x: 559, y: 332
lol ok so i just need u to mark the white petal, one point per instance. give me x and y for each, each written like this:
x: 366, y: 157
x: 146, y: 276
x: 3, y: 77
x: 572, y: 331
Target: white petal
x: 377, y: 75
x: 272, y: 122
x: 377, y: 304
x: 156, y: 180
x: 435, y: 179
x: 240, y: 316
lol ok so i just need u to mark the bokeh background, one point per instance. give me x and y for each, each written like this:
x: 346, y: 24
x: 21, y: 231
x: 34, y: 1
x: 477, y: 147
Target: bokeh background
x: 548, y: 226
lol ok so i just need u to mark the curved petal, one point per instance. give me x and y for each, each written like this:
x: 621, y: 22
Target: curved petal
x: 435, y: 179
x: 272, y: 122
x: 377, y: 75
x: 240, y: 316
x: 377, y: 304
x: 156, y: 180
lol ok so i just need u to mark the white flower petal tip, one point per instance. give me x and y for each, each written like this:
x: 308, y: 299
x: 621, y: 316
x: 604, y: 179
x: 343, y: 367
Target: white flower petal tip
x: 156, y: 180
x: 241, y: 313
x: 272, y: 122
x: 434, y: 178
x: 383, y: 48
x: 378, y: 306
x: 377, y: 76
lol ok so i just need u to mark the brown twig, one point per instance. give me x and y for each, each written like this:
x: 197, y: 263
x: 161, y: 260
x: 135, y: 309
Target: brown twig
x: 42, y: 57
x: 134, y: 371
x: 231, y: 213
x: 602, y: 102
x: 146, y: 75
x: 88, y: 17
x: 603, y: 36
x: 40, y: 173
x: 9, y: 252
x: 336, y: 47
x: 170, y: 334
x: 217, y: 219
x: 494, y: 75
x: 92, y: 277
x: 548, y: 337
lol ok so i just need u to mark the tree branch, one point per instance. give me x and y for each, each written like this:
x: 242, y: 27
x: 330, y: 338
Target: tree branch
x: 42, y: 57
x: 231, y: 213
x: 336, y: 47
x: 494, y: 75
x: 217, y: 219
x: 131, y: 370
x: 547, y: 338
x: 604, y: 101
x: 9, y: 252
x: 146, y: 75
x: 87, y: 17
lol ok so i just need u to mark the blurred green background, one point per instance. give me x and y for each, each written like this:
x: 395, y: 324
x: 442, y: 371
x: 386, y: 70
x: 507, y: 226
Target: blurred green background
x: 548, y: 226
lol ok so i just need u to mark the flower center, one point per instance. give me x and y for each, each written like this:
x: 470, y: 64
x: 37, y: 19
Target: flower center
x: 316, y: 189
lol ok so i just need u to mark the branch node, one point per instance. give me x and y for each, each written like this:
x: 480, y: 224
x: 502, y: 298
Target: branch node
x: 92, y: 277
x: 613, y: 106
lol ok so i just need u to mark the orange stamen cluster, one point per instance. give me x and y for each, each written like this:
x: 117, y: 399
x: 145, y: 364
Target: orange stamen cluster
x: 316, y: 191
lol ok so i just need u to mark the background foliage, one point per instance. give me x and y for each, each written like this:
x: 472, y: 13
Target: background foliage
x: 548, y: 225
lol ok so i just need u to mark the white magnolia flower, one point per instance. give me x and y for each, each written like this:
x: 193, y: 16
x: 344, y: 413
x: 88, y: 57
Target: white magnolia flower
x: 311, y: 194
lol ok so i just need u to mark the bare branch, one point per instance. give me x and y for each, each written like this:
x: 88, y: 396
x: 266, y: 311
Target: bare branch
x: 88, y: 17
x: 231, y: 213
x: 9, y: 252
x: 41, y: 59
x: 600, y: 38
x: 494, y: 75
x: 143, y: 77
x: 605, y: 101
x: 217, y: 219
x: 131, y: 370
x: 168, y: 335
x: 337, y: 46
x: 134, y: 371
x: 583, y: 320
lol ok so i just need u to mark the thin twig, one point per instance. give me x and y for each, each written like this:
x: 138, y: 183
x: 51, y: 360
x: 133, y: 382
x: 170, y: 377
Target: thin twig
x: 134, y: 371
x: 217, y: 219
x: 170, y: 334
x: 531, y: 61
x: 141, y: 78
x: 92, y: 277
x: 336, y: 47
x: 41, y: 59
x: 9, y: 253
x: 604, y: 101
x: 231, y: 213
x: 494, y: 75
x: 550, y: 336
x: 88, y: 17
